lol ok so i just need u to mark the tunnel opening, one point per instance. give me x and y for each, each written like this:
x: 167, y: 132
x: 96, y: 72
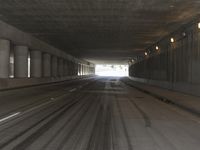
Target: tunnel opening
x: 111, y: 70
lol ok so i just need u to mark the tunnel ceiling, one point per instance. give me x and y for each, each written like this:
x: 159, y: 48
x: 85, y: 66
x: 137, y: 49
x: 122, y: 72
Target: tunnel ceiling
x: 99, y: 30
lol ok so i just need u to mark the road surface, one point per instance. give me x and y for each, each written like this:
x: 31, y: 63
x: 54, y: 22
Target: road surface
x: 99, y: 113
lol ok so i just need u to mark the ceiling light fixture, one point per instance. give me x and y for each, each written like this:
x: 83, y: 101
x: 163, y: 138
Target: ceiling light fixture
x: 199, y: 25
x: 145, y: 53
x: 184, y: 34
x: 157, y: 48
x: 172, y: 40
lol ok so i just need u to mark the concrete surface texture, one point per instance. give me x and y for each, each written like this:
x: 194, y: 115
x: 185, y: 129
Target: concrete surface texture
x: 4, y: 58
x: 21, y: 61
x: 24, y: 56
x: 174, y: 65
x: 189, y: 102
x: 101, y: 31
x: 93, y: 114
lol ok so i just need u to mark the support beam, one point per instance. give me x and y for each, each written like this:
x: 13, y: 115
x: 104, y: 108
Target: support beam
x: 21, y: 62
x: 36, y: 64
x: 4, y: 58
x: 46, y: 65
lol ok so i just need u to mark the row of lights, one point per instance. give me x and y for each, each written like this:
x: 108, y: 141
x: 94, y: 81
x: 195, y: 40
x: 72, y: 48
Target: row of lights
x: 172, y: 40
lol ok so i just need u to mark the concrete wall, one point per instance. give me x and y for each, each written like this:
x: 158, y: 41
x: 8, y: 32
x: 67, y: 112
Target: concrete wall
x: 18, y: 83
x: 29, y: 54
x: 175, y: 66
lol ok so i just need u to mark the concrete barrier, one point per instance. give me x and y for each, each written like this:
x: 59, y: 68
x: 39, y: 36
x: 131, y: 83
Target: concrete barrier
x: 6, y: 84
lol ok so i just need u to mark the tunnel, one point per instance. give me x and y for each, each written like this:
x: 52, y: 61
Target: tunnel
x: 99, y: 74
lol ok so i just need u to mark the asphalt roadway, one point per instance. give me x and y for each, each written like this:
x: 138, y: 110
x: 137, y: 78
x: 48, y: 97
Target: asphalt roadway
x: 100, y: 113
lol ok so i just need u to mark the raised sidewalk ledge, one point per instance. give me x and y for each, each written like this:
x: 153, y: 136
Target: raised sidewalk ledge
x: 6, y: 84
x: 189, y: 102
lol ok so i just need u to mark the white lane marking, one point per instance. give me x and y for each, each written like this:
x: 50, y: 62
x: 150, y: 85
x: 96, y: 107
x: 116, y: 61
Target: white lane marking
x: 52, y: 98
x: 72, y: 90
x: 10, y: 116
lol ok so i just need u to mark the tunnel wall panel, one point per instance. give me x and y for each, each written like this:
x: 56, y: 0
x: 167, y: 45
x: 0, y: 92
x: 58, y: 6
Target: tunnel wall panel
x: 176, y: 66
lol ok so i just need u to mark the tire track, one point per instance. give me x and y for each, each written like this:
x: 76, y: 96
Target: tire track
x: 124, y: 125
x: 59, y: 111
x: 144, y: 115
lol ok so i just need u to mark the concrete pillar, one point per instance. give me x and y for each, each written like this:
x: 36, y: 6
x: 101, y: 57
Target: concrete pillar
x: 21, y: 62
x: 82, y: 69
x: 87, y: 70
x: 79, y: 69
x: 60, y: 67
x: 36, y: 64
x: 76, y: 68
x: 54, y: 66
x: 65, y: 68
x: 4, y: 58
x: 70, y: 68
x: 46, y: 65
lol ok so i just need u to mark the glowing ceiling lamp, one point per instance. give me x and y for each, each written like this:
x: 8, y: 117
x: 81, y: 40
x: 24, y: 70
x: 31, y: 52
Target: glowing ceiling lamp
x: 157, y: 48
x: 172, y: 40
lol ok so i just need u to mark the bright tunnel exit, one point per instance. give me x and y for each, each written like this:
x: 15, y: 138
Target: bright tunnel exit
x: 111, y: 70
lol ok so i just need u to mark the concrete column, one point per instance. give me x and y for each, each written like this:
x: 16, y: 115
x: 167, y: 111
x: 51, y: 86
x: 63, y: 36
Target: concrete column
x: 82, y: 69
x: 54, y: 66
x: 65, y: 68
x: 4, y: 58
x: 21, y: 62
x: 87, y: 70
x: 70, y: 68
x: 79, y: 69
x: 46, y: 65
x: 60, y: 67
x: 36, y: 64
x: 76, y: 68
